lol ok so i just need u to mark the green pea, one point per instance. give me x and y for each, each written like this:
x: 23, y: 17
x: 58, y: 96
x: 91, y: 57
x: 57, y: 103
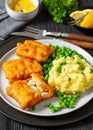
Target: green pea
x: 62, y: 98
x: 60, y: 101
x: 71, y: 106
x: 45, y: 71
x: 46, y: 78
x: 64, y: 95
x: 58, y: 108
x: 67, y: 104
x: 91, y: 69
x: 48, y: 104
x: 53, y: 110
x: 65, y: 100
x: 74, y: 96
x: 69, y: 98
x: 72, y: 102
x: 33, y: 108
x: 57, y: 57
x: 56, y: 47
x: 74, y: 99
x: 49, y: 68
x: 62, y: 104
x: 78, y: 95
x: 50, y: 64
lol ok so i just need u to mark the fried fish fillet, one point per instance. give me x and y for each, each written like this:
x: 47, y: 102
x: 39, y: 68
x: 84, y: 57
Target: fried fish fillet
x: 23, y: 94
x: 34, y: 50
x: 37, y: 82
x: 31, y: 91
x: 21, y: 69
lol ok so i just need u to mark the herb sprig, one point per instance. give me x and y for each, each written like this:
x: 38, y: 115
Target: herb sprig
x: 59, y: 9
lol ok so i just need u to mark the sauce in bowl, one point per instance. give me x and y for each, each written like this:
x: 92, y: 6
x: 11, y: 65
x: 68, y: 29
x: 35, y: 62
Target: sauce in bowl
x: 26, y: 5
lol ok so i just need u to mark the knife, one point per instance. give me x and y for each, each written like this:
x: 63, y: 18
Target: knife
x: 83, y: 44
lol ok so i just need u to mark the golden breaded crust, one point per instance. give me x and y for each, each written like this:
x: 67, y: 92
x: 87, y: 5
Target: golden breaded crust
x: 34, y: 50
x: 31, y: 91
x: 21, y: 69
x: 23, y: 94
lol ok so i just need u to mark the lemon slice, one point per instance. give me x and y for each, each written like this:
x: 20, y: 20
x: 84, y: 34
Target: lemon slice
x: 86, y: 10
x: 76, y: 14
x: 88, y: 20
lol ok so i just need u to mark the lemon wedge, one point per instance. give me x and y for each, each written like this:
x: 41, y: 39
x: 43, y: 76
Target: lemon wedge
x: 76, y: 14
x: 79, y: 13
x: 88, y: 20
x: 86, y: 10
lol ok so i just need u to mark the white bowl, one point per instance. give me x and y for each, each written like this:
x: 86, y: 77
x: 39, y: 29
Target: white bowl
x: 22, y: 15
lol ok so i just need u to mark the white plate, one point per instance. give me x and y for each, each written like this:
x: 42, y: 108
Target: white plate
x: 41, y: 109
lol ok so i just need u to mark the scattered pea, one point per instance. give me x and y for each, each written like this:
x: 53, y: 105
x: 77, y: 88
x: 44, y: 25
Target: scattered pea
x: 65, y: 101
x: 33, y: 108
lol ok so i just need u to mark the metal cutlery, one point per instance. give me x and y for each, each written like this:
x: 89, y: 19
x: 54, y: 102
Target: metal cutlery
x: 77, y: 21
x: 83, y: 44
x: 31, y: 35
x: 59, y: 34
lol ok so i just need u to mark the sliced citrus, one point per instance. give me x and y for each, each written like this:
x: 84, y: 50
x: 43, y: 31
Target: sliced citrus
x: 88, y: 20
x: 76, y: 14
x: 86, y: 10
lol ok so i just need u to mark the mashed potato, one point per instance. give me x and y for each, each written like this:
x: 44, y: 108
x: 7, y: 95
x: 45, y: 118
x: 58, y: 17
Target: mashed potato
x: 71, y: 75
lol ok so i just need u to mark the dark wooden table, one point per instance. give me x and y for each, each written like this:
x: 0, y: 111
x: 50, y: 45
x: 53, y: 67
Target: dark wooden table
x: 44, y: 21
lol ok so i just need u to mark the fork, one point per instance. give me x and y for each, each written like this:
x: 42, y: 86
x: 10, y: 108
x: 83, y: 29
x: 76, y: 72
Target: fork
x: 77, y: 21
x: 41, y: 32
x: 58, y: 34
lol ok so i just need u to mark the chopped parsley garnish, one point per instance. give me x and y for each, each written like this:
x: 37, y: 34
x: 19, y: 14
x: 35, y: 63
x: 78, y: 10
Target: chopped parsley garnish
x: 59, y: 9
x: 58, y: 69
x: 82, y: 66
x: 91, y: 69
